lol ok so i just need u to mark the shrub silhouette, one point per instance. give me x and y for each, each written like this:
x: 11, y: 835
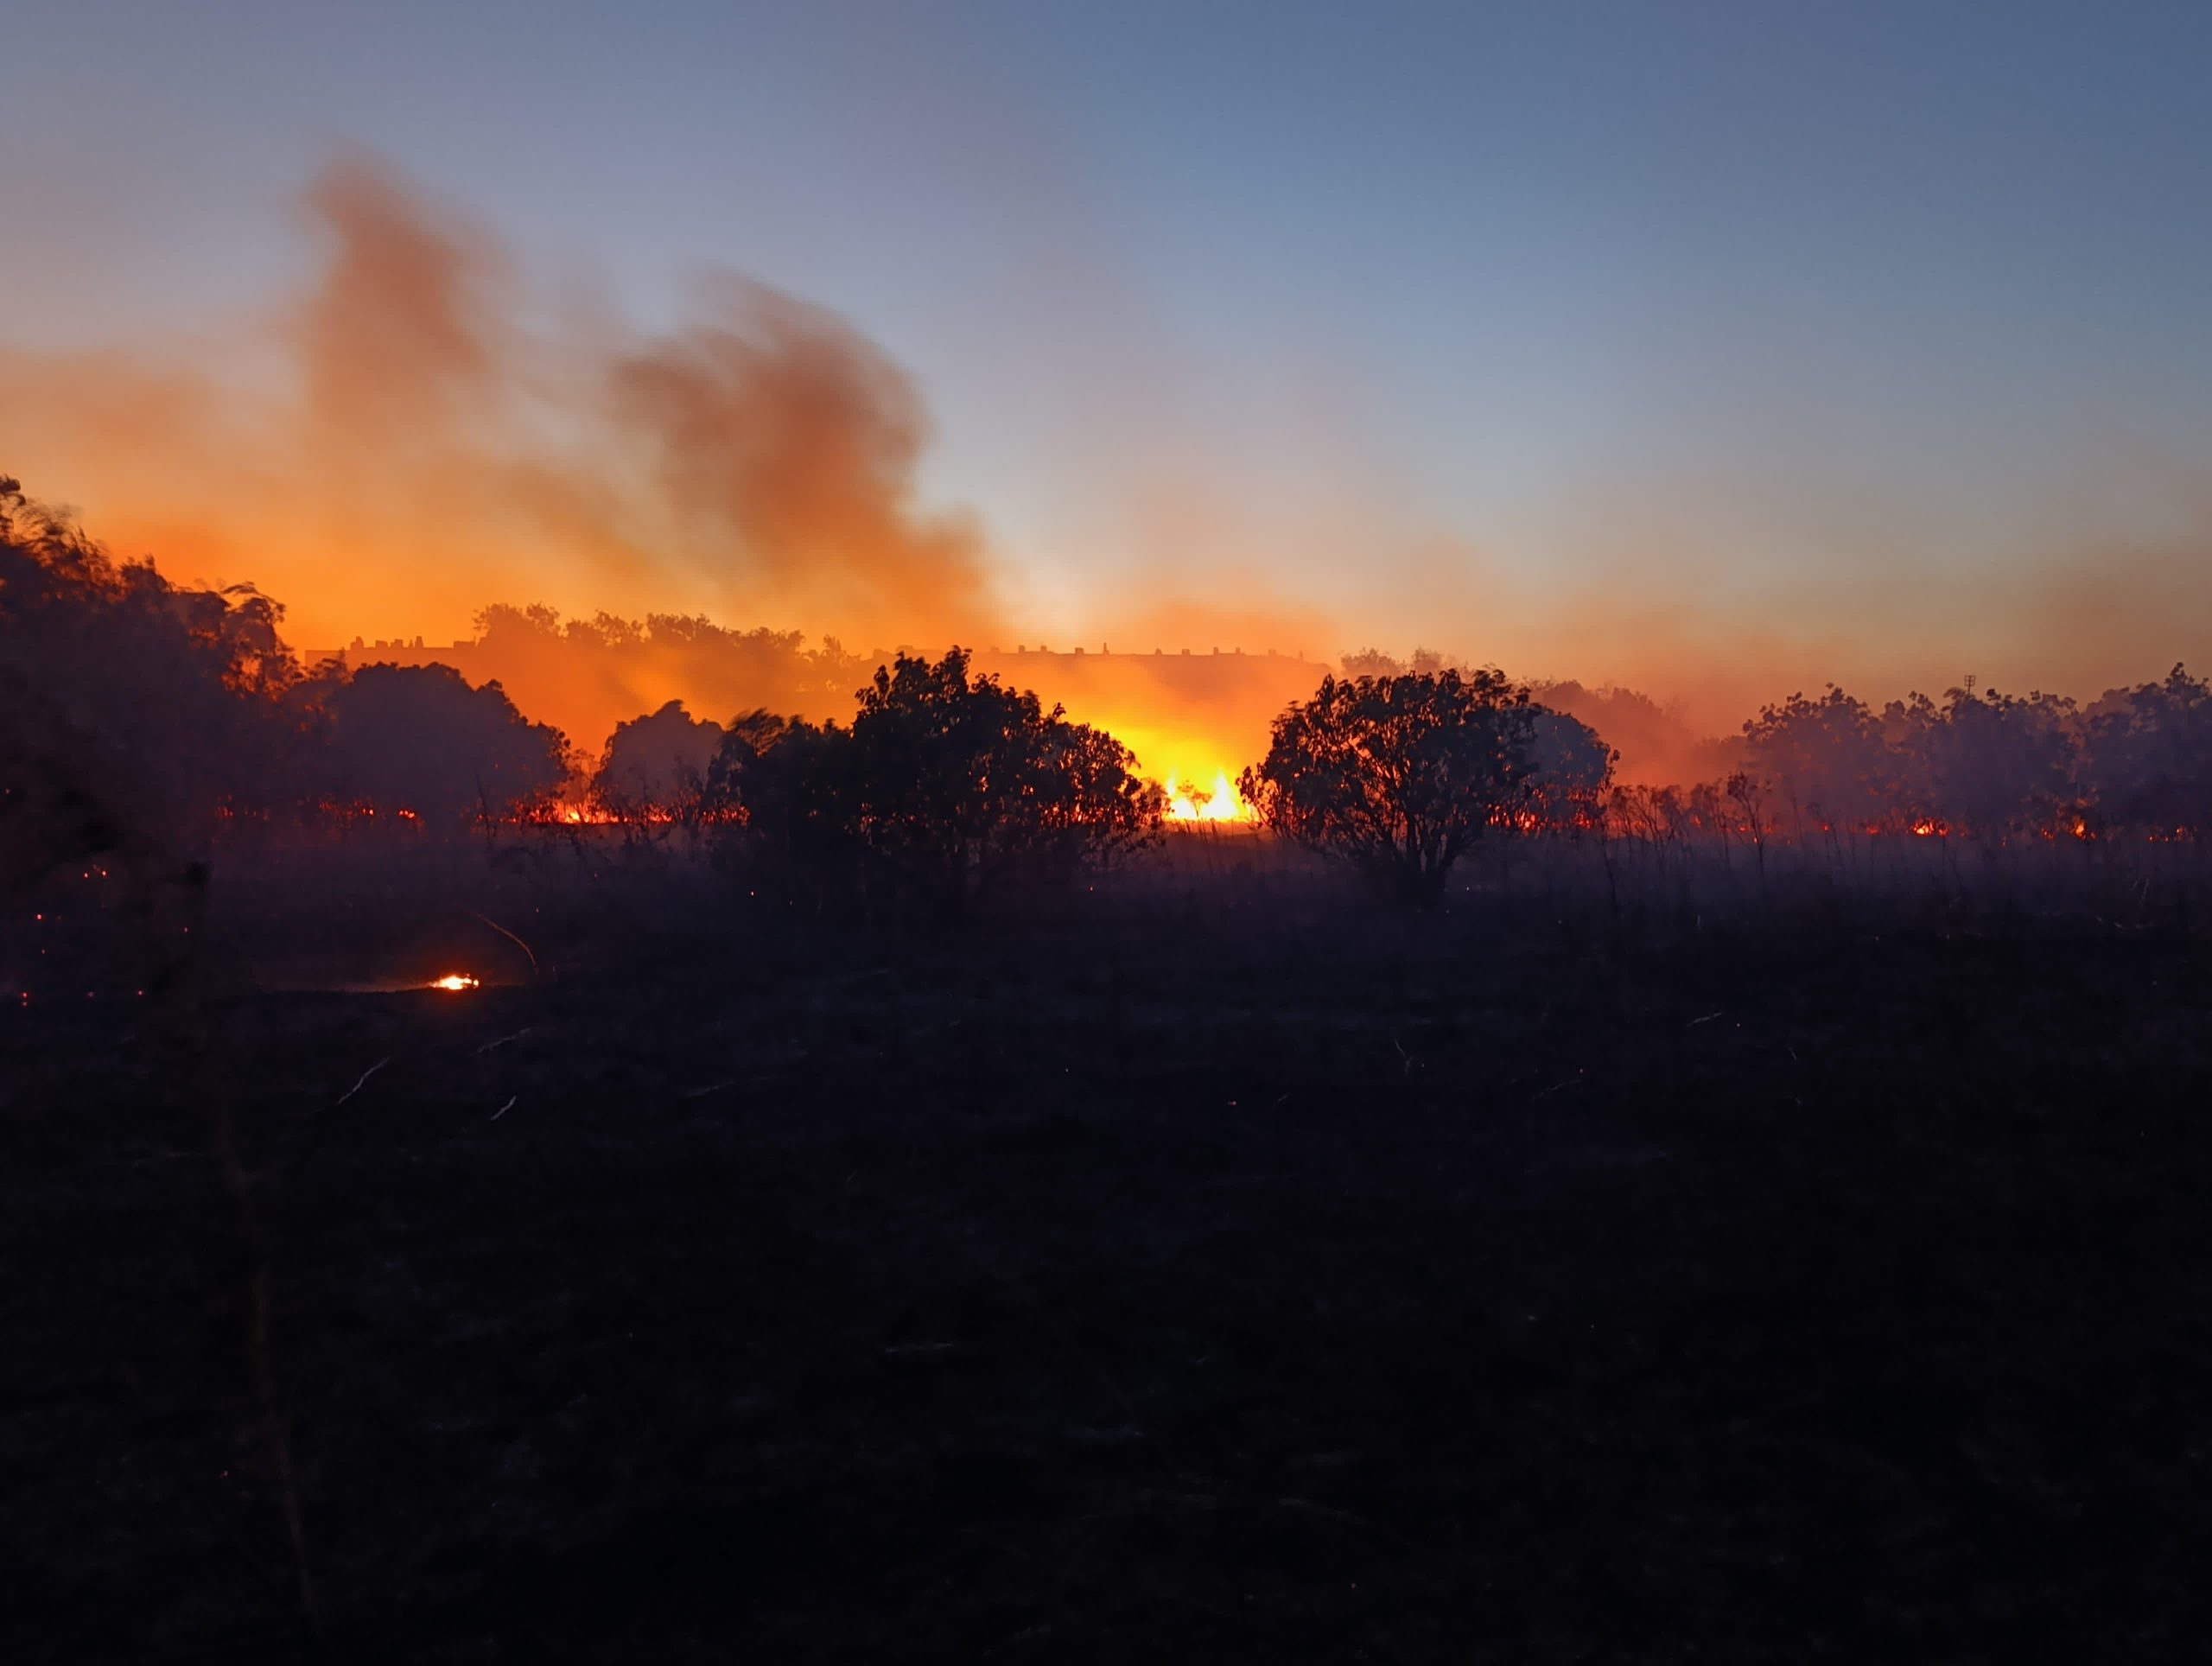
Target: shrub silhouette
x: 1570, y: 766
x: 657, y: 764
x: 954, y: 784
x: 418, y: 738
x: 1397, y: 775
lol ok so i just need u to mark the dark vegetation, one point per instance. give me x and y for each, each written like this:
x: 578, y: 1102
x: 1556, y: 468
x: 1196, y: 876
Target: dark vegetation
x: 139, y: 716
x: 944, y: 784
x: 876, y: 1208
x: 1399, y: 774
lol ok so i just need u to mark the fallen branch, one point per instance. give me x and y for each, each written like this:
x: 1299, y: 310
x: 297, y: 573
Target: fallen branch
x: 1412, y: 1064
x: 364, y: 1082
x: 509, y: 937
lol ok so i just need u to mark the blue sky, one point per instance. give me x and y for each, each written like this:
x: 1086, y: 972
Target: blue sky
x: 1777, y: 301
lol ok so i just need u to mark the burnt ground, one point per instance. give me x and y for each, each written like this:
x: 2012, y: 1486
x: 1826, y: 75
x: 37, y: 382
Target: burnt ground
x: 1087, y: 1299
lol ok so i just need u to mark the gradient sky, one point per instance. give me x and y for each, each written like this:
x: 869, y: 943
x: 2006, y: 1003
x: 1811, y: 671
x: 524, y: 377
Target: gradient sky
x: 1823, y: 318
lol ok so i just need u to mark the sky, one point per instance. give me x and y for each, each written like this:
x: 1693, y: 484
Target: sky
x: 1716, y: 348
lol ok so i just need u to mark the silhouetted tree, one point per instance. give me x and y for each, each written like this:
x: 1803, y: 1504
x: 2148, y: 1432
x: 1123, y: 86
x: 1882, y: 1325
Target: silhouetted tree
x: 1570, y: 765
x: 130, y: 708
x: 791, y: 787
x: 418, y: 738
x: 1991, y: 763
x: 1372, y: 662
x: 1744, y: 790
x: 1396, y: 775
x: 2149, y: 755
x: 1827, y: 758
x: 955, y: 784
x: 657, y: 764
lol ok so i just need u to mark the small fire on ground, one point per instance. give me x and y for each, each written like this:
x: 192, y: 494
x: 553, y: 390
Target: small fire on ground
x: 453, y: 981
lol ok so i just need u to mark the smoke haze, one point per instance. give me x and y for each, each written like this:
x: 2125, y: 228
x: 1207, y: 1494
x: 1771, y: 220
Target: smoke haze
x: 406, y: 443
x: 418, y: 432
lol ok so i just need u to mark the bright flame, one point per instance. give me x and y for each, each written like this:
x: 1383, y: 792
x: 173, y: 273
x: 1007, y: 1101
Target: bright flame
x: 1222, y: 804
x: 453, y: 981
x: 597, y: 815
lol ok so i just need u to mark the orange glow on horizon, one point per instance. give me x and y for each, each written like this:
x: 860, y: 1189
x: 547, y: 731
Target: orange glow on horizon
x: 1221, y: 802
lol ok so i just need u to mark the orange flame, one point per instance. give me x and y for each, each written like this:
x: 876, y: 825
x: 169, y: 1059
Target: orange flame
x: 453, y: 981
x: 1222, y: 804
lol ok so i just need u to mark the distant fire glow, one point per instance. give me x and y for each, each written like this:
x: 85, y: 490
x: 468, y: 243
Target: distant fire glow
x: 1185, y: 803
x: 453, y: 981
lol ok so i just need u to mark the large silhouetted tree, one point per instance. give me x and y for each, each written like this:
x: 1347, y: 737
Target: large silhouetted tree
x: 1570, y: 766
x: 956, y: 783
x: 2150, y: 755
x: 418, y: 738
x: 1828, y: 759
x: 657, y: 764
x: 1397, y: 775
x: 1994, y: 765
x: 132, y: 709
x: 788, y: 790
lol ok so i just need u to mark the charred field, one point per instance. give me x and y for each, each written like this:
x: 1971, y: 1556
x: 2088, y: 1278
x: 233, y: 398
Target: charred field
x: 1222, y: 1270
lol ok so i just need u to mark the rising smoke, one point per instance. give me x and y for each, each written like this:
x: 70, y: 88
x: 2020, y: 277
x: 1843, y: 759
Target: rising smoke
x: 419, y: 432
x: 410, y: 440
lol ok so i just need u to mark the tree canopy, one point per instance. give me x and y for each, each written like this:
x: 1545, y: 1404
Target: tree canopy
x: 956, y: 783
x: 1397, y: 774
x: 657, y: 763
x: 418, y: 738
x: 130, y: 709
x: 2149, y: 761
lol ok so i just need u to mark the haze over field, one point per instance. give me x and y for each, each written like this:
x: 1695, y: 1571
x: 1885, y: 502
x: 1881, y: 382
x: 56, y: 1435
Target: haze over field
x: 989, y: 332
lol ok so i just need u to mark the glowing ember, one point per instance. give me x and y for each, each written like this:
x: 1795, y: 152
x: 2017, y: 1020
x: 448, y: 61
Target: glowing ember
x: 1221, y: 804
x: 453, y: 981
x: 594, y: 815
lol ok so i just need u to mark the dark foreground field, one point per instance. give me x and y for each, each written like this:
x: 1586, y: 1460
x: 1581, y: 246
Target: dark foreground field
x: 1836, y: 1296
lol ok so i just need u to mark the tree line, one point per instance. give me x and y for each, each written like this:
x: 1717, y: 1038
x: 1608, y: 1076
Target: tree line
x: 136, y: 709
x: 1988, y: 765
